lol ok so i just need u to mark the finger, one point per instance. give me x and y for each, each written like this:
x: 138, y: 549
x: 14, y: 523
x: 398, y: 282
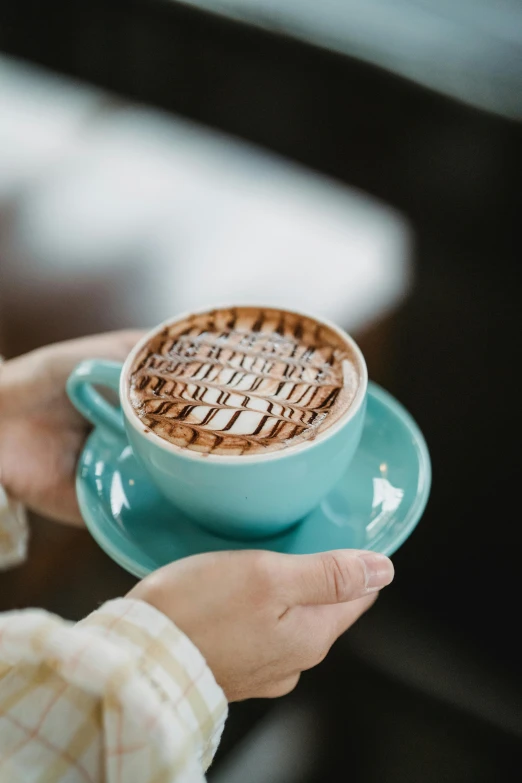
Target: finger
x: 53, y: 493
x: 334, y: 577
x: 314, y: 629
x: 59, y: 503
x: 281, y: 688
x: 121, y: 342
x: 335, y: 619
x: 66, y: 510
x: 109, y: 345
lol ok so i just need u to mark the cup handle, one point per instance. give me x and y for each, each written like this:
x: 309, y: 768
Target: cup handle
x: 90, y: 403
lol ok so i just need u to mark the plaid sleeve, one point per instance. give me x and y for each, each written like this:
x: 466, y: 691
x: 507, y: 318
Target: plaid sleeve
x: 14, y: 531
x: 122, y: 697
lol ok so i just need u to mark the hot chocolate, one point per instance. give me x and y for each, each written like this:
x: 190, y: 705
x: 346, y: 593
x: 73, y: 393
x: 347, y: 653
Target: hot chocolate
x: 243, y: 380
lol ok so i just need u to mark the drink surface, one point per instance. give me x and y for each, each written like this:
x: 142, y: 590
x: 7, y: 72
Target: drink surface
x: 243, y: 381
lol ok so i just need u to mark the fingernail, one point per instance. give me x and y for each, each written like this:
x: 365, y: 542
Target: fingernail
x: 378, y: 569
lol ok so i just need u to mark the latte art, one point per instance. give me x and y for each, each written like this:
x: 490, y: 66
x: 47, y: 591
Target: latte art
x: 243, y: 381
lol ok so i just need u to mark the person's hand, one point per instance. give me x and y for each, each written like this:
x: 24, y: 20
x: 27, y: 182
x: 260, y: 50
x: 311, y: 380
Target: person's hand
x: 261, y: 618
x: 41, y: 434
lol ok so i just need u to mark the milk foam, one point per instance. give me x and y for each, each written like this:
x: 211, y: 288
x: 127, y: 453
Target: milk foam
x: 243, y: 381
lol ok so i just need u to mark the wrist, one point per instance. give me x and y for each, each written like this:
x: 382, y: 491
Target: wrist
x: 150, y: 591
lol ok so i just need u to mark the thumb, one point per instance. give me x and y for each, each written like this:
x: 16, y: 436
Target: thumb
x: 335, y: 577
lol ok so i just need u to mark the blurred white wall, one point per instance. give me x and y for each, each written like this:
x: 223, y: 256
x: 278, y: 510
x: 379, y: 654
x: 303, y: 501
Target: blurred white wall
x: 113, y: 215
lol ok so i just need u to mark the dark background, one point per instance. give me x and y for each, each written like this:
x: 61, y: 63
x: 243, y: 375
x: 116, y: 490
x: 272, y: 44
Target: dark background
x: 428, y: 687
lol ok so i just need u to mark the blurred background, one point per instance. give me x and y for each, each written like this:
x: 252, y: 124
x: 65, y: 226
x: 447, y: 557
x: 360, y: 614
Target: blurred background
x: 359, y: 160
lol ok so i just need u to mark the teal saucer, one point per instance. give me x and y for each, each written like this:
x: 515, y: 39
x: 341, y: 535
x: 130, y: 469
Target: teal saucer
x: 376, y: 505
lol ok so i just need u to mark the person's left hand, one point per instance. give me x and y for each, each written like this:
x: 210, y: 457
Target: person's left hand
x: 41, y: 434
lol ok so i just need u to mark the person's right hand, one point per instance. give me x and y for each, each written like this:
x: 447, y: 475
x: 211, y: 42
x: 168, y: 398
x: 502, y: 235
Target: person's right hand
x: 261, y: 618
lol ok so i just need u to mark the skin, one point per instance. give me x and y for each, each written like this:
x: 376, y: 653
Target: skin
x: 41, y: 434
x: 259, y: 618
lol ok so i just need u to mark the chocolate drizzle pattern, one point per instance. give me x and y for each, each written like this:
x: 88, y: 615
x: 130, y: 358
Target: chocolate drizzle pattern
x: 242, y: 381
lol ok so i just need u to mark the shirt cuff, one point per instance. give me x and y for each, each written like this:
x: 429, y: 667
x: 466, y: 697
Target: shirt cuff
x: 13, y: 528
x: 170, y: 662
x: 14, y: 532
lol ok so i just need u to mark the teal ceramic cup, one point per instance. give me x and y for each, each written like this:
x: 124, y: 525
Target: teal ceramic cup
x: 248, y: 496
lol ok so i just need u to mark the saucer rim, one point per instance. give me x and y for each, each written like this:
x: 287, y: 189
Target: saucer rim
x: 412, y: 518
x: 418, y: 506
